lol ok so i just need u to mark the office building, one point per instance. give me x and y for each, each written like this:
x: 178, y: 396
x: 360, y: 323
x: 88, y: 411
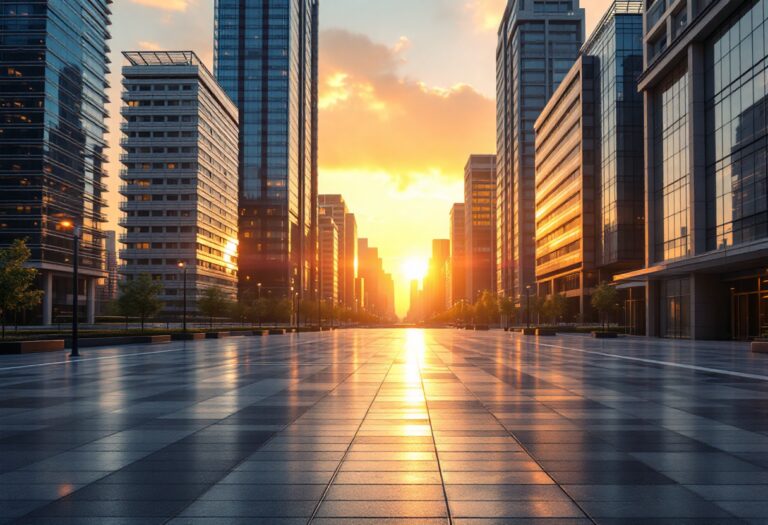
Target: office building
x: 335, y: 207
x: 52, y: 149
x: 266, y: 59
x: 457, y: 268
x: 329, y: 259
x: 377, y: 291
x: 435, y: 282
x: 107, y: 290
x: 589, y: 170
x: 538, y: 42
x: 480, y: 232
x: 706, y: 96
x: 179, y: 178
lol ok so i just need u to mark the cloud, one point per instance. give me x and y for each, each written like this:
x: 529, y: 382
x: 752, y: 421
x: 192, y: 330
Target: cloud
x: 373, y: 118
x: 165, y: 5
x: 146, y: 45
x: 486, y: 14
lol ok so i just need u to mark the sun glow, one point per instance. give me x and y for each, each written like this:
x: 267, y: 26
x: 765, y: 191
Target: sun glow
x: 415, y: 269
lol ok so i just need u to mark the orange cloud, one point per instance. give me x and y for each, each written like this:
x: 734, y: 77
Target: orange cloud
x: 165, y: 5
x: 375, y: 119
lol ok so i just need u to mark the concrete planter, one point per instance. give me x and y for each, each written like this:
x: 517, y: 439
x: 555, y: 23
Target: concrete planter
x: 217, y: 335
x: 545, y: 332
x: 188, y: 337
x: 276, y: 331
x: 528, y: 331
x: 605, y: 335
x: 760, y: 346
x: 92, y: 342
x: 31, y: 347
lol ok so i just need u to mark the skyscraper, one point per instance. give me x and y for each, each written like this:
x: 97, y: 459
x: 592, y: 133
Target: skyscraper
x: 350, y: 261
x: 335, y: 207
x: 266, y: 59
x: 436, y: 282
x: 537, y: 45
x: 329, y: 259
x: 52, y: 125
x: 180, y: 178
x: 480, y: 209
x: 458, y: 269
x: 706, y: 145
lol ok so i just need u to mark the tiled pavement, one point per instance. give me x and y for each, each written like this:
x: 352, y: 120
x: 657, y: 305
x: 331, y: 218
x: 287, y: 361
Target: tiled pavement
x: 387, y: 427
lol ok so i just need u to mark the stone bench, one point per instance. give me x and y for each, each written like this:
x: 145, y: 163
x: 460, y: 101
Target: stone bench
x: 545, y: 332
x: 188, y: 337
x: 217, y: 335
x: 760, y: 346
x: 605, y: 335
x: 31, y: 347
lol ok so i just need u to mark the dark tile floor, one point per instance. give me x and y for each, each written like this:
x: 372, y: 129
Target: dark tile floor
x: 387, y: 427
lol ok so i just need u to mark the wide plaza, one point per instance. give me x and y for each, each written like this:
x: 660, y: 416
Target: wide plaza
x: 389, y: 427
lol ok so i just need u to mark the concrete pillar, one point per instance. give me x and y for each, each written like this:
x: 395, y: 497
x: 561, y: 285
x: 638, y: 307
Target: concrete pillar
x: 710, y: 307
x: 90, y: 291
x: 652, y: 309
x: 47, y: 298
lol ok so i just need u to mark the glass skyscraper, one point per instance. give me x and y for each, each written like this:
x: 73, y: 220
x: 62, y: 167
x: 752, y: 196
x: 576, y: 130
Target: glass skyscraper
x: 266, y: 58
x: 538, y: 41
x: 706, y: 152
x: 53, y: 82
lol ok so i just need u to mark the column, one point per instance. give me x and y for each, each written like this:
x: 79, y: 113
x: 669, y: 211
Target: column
x: 47, y: 298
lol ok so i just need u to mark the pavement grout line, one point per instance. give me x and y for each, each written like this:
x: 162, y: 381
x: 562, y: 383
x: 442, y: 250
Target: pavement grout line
x: 352, y: 441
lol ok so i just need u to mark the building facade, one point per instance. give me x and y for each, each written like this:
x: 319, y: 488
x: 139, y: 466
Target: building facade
x: 330, y: 248
x: 589, y: 170
x: 457, y: 268
x: 350, y: 261
x: 266, y: 59
x: 376, y: 287
x: 52, y: 148
x: 107, y: 290
x: 479, y: 224
x: 436, y: 281
x: 538, y: 41
x: 706, y: 182
x: 565, y: 191
x: 335, y: 207
x: 180, y: 177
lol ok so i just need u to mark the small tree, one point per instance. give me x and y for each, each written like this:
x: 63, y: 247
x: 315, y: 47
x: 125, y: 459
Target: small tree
x: 506, y: 309
x: 16, y: 281
x: 486, y: 308
x: 556, y: 306
x: 604, y: 299
x: 139, y: 298
x: 213, y: 302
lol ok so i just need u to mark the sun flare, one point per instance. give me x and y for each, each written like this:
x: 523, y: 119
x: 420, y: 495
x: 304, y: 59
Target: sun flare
x: 415, y: 269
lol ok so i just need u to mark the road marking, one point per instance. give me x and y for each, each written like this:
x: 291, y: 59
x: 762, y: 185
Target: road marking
x: 82, y: 360
x: 657, y: 362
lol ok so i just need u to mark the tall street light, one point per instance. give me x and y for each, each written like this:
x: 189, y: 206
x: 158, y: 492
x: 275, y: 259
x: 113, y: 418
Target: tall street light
x: 76, y: 231
x: 183, y: 267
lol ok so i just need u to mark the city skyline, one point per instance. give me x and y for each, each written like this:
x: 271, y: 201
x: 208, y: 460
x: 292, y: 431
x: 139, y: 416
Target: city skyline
x: 416, y: 65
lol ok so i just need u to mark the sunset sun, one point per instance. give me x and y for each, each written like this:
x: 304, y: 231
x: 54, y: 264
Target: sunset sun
x: 415, y: 268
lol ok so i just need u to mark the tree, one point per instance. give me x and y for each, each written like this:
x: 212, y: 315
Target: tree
x: 486, y: 308
x: 16, y: 282
x: 555, y: 307
x: 214, y: 302
x: 506, y: 309
x: 138, y: 298
x: 604, y: 299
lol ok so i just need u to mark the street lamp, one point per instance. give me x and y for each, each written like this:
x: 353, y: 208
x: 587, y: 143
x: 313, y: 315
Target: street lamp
x: 528, y: 305
x: 258, y: 287
x: 76, y: 231
x: 183, y: 266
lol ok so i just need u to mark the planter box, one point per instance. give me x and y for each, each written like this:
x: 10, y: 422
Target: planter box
x: 276, y: 331
x: 760, y: 347
x: 528, y: 331
x: 188, y: 337
x: 31, y: 347
x: 545, y: 332
x: 217, y: 335
x: 605, y: 335
x: 92, y: 342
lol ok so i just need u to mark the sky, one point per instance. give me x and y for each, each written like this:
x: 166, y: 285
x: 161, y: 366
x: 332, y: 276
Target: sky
x: 407, y: 93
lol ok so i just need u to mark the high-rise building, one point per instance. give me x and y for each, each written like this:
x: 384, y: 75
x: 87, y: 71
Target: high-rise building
x: 480, y: 232
x: 335, y: 207
x: 458, y: 269
x: 266, y: 59
x: 706, y: 145
x: 52, y: 149
x: 377, y: 291
x: 435, y: 283
x: 589, y: 166
x: 329, y: 258
x: 537, y: 45
x: 180, y: 176
x: 350, y: 261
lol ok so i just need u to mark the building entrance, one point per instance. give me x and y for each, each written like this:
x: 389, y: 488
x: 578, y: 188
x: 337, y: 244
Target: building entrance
x: 749, y: 308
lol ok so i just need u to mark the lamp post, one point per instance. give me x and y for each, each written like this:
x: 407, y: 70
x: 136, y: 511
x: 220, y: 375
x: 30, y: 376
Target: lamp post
x: 528, y: 305
x: 183, y: 266
x: 76, y: 231
x: 258, y: 287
